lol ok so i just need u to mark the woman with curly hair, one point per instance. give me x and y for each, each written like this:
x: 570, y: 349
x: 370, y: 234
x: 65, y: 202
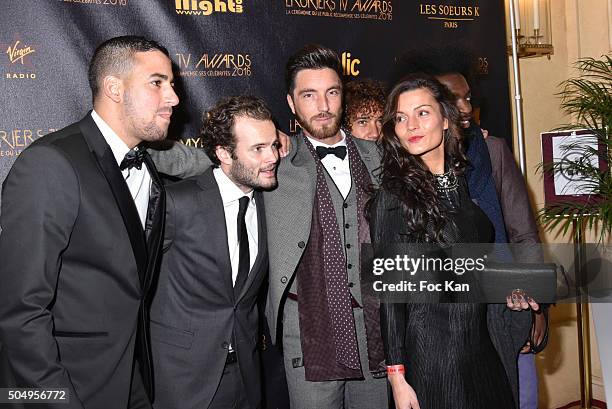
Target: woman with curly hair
x: 439, y: 355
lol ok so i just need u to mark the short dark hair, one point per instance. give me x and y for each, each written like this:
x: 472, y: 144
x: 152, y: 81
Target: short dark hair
x: 218, y: 122
x: 362, y: 96
x: 115, y: 56
x: 311, y: 57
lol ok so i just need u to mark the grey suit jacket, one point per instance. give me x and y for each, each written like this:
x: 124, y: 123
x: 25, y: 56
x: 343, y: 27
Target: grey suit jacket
x: 288, y: 208
x: 75, y: 272
x: 194, y: 314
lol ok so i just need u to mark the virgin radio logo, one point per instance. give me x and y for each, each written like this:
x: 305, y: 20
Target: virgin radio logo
x: 18, y: 52
x: 207, y: 7
x: 17, y: 61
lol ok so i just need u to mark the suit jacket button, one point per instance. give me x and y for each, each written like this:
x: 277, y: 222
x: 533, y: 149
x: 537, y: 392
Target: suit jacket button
x: 283, y: 279
x: 351, y: 284
x: 224, y: 345
x: 301, y: 244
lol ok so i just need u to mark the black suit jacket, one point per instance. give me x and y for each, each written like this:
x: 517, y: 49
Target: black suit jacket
x: 194, y: 314
x: 76, y: 269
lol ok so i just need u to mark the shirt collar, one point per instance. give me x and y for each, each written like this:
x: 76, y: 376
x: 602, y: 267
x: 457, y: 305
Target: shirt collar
x: 316, y: 142
x: 228, y: 189
x: 118, y: 147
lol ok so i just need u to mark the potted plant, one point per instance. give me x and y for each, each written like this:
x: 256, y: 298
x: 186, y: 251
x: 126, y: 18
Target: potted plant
x: 587, y: 98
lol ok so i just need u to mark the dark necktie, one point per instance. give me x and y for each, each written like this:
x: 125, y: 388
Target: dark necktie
x: 243, y: 244
x: 133, y: 159
x: 339, y: 151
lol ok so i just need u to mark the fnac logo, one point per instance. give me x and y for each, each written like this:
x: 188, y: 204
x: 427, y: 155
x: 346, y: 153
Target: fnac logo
x: 350, y: 65
x: 207, y: 7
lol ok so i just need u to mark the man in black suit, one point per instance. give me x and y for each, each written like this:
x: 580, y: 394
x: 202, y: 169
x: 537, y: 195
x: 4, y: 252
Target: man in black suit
x: 81, y: 237
x: 204, y: 319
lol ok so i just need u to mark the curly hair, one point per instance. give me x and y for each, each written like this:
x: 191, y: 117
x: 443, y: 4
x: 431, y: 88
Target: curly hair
x: 406, y: 176
x: 218, y: 123
x: 366, y: 96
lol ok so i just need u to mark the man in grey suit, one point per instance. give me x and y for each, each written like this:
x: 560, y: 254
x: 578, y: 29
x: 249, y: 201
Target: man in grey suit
x: 204, y: 318
x: 82, y: 221
x: 329, y: 330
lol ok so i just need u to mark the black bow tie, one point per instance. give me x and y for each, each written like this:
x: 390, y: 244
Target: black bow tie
x: 133, y: 159
x: 339, y: 151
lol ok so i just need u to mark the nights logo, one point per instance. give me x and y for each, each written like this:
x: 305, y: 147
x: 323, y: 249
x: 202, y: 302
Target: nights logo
x: 207, y: 7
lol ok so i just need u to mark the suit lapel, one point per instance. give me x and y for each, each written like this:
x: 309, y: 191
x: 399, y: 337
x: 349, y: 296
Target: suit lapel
x: 262, y: 246
x: 156, y: 215
x: 211, y: 200
x: 369, y: 155
x: 109, y: 168
x: 297, y: 178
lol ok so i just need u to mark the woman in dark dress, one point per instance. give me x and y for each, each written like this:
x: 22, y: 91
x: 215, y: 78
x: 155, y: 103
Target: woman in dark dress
x: 444, y: 349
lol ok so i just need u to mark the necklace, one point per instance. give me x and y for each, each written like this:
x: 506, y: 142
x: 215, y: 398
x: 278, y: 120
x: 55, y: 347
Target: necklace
x: 447, y: 185
x: 446, y: 181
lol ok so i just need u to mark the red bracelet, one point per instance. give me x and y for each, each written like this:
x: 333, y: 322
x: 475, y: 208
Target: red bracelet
x: 393, y: 369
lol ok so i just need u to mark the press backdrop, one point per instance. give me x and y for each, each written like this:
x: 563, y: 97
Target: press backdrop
x: 227, y: 47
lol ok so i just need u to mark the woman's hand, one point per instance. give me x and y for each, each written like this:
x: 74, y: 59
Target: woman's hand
x: 538, y: 331
x: 403, y: 394
x: 518, y: 301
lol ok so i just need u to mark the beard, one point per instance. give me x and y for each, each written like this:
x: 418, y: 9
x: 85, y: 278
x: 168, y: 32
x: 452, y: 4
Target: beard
x: 323, y: 132
x: 149, y: 131
x: 244, y: 176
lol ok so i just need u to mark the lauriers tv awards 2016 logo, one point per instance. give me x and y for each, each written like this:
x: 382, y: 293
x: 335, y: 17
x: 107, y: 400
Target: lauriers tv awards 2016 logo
x: 353, y: 9
x: 214, y: 64
x: 450, y: 16
x: 207, y: 7
x: 98, y: 2
x: 14, y: 141
x: 483, y: 65
x: 18, y: 59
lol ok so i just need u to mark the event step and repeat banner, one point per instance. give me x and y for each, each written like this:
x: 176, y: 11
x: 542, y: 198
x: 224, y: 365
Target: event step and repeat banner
x: 228, y: 47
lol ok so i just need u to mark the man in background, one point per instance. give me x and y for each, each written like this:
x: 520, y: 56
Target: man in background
x: 364, y: 104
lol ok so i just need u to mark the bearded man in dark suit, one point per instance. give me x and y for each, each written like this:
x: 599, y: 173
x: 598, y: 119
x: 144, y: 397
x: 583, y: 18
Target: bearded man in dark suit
x: 82, y: 222
x: 204, y: 316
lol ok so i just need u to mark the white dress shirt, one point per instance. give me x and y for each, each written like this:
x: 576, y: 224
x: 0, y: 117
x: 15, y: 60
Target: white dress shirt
x: 230, y: 195
x: 337, y: 168
x: 138, y: 180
